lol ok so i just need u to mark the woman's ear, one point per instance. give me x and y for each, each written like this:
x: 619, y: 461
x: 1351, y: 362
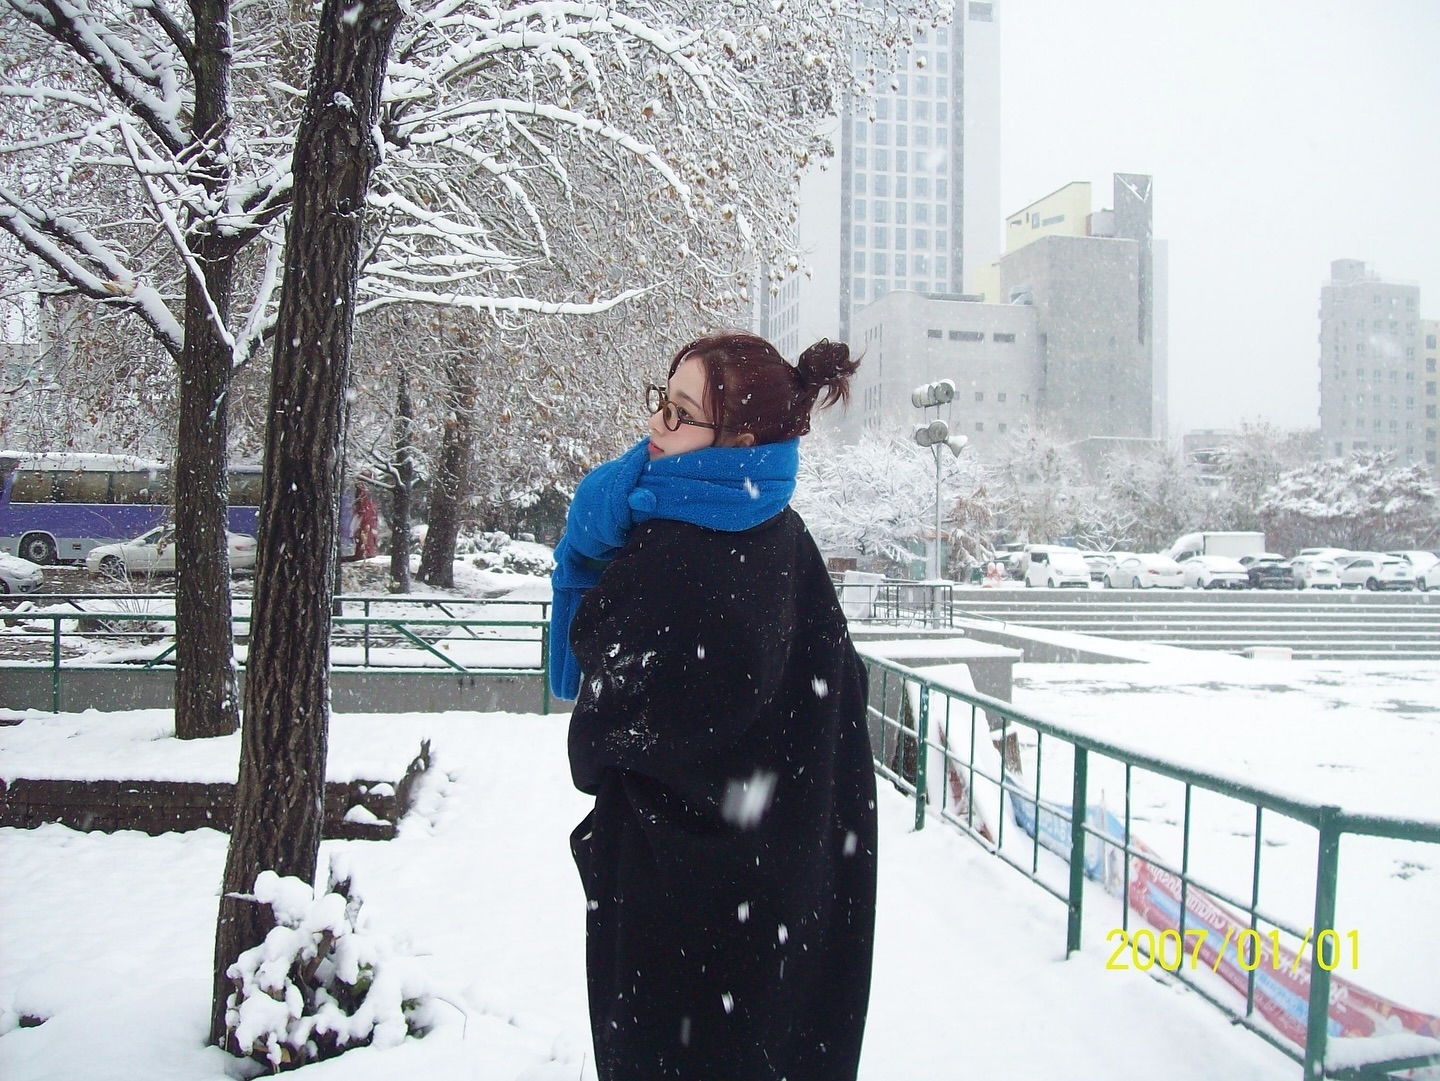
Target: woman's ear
x: 744, y: 439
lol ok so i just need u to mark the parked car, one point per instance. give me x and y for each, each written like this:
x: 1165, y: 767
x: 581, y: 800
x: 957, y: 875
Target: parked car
x: 1430, y: 579
x: 19, y: 575
x: 1269, y: 571
x: 1376, y: 571
x: 1214, y: 572
x: 1420, y: 561
x: 1058, y: 568
x: 154, y: 553
x: 1315, y: 572
x: 1334, y: 554
x: 1099, y: 563
x: 1145, y: 571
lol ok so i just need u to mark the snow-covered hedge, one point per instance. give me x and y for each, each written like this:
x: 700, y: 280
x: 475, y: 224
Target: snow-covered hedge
x: 499, y: 552
x: 319, y: 983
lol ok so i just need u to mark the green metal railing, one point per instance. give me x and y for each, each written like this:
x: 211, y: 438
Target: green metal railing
x: 356, y: 641
x: 979, y: 744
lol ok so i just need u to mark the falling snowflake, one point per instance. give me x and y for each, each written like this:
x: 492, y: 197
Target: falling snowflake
x: 820, y: 687
x: 743, y: 912
x: 747, y: 801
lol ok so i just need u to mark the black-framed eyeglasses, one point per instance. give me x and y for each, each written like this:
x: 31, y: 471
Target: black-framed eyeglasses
x: 657, y: 400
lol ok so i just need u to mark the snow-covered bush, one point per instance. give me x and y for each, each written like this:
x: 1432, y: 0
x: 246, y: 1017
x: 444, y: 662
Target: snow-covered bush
x: 320, y: 983
x: 497, y: 551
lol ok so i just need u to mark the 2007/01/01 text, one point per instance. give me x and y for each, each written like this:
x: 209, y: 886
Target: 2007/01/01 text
x: 1249, y: 946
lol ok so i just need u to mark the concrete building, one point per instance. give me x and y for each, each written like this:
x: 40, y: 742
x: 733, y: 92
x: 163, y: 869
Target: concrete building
x: 1374, y: 391
x: 913, y: 202
x: 1065, y: 338
x: 1429, y: 353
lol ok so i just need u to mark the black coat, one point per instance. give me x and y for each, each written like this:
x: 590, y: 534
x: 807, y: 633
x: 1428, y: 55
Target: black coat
x: 729, y: 863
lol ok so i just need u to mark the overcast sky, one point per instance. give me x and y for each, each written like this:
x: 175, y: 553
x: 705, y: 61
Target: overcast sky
x: 1281, y: 135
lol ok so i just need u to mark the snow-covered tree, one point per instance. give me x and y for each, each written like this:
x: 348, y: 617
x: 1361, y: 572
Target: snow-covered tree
x: 1364, y: 502
x: 1037, y: 485
x: 1148, y: 498
x: 877, y: 497
x: 1250, y: 462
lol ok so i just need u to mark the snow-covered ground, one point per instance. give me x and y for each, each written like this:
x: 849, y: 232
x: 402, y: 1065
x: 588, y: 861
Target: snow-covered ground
x: 109, y: 937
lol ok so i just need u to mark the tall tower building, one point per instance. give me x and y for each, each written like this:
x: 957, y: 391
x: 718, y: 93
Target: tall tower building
x: 913, y: 203
x: 1373, y: 387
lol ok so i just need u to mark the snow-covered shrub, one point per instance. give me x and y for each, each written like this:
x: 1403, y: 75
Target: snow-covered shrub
x: 320, y: 983
x: 499, y: 552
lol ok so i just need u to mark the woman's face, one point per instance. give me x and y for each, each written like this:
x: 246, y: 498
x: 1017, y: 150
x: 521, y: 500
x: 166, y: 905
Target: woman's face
x: 686, y: 390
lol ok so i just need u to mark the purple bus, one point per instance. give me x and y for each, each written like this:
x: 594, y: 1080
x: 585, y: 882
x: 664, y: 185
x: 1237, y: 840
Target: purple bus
x: 54, y: 508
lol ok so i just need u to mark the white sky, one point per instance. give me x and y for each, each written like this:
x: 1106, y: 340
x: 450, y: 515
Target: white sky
x: 1281, y: 135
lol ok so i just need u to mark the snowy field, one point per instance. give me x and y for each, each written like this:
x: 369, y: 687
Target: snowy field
x: 109, y: 937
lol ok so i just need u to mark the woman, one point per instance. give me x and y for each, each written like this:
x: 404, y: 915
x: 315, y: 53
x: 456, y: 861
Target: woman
x: 729, y: 863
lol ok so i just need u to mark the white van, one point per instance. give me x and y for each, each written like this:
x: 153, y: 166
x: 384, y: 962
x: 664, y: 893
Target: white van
x: 1056, y: 566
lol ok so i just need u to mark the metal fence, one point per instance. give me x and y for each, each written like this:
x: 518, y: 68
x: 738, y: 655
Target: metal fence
x: 1000, y: 775
x: 898, y: 601
x: 409, y: 633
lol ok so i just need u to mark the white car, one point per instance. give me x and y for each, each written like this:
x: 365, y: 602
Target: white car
x: 1420, y: 561
x: 1215, y: 572
x: 1315, y: 572
x: 1145, y: 571
x: 1430, y: 579
x: 1057, y: 568
x: 154, y: 553
x: 19, y: 575
x: 1376, y: 571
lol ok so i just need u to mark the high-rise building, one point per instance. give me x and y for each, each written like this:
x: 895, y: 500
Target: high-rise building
x: 1064, y: 335
x: 1430, y: 352
x: 913, y: 203
x: 1374, y: 391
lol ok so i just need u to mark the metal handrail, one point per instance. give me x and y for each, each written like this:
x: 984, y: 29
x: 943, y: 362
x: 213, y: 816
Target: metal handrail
x: 343, y: 628
x: 900, y: 712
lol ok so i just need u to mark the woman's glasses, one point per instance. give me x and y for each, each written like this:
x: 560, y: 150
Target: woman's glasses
x: 671, y: 415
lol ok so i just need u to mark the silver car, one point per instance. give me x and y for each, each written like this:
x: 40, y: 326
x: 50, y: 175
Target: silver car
x: 19, y: 575
x: 154, y: 553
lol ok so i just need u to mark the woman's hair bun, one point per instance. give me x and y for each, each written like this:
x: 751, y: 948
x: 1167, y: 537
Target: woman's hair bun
x: 827, y: 366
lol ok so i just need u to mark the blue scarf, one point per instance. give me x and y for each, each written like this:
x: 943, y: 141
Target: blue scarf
x: 725, y: 488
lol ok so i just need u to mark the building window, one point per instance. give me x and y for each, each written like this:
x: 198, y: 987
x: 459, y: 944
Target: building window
x: 859, y: 236
x: 882, y: 136
x: 1429, y: 412
x: 1429, y: 341
x: 979, y: 425
x: 859, y: 209
x: 901, y: 236
x: 997, y: 336
x: 882, y: 187
x: 920, y: 265
x: 879, y: 264
x: 860, y: 183
x: 1429, y: 457
x: 857, y: 289
x: 940, y: 270
x: 882, y: 160
x: 921, y: 239
x: 1430, y: 388
x: 900, y: 213
x: 1002, y: 426
x: 1024, y: 399
x: 936, y: 334
x: 860, y: 157
x: 860, y: 261
x: 862, y: 130
x: 879, y: 237
x: 880, y: 211
x: 1429, y: 364
x: 1000, y: 397
x: 922, y: 85
x: 967, y: 335
x: 981, y: 13
x: 979, y: 395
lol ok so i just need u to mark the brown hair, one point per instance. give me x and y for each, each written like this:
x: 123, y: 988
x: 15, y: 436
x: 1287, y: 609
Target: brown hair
x: 750, y: 388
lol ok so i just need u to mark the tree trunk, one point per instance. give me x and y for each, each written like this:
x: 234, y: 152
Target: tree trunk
x: 403, y: 483
x: 206, y: 696
x: 279, y: 795
x: 450, y: 485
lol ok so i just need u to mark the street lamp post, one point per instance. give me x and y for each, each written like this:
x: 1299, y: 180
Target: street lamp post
x: 936, y: 434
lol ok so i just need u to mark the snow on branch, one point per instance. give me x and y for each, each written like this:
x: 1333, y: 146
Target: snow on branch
x: 92, y: 268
